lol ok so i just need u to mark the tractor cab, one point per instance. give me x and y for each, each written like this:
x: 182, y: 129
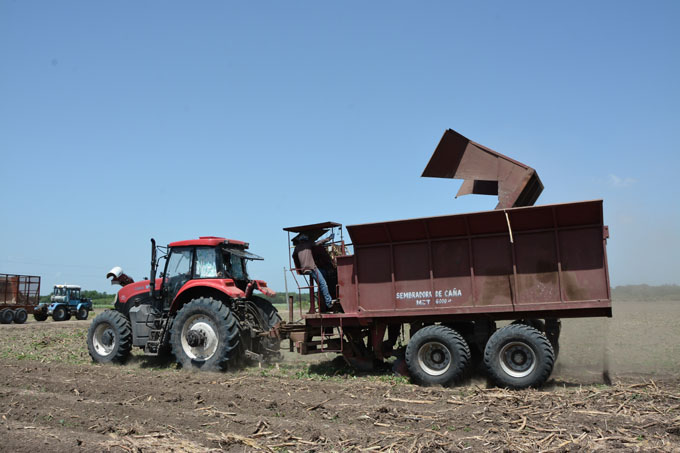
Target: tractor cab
x: 206, y: 259
x: 65, y: 293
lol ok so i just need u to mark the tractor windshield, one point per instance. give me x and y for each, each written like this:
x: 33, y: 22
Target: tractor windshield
x: 59, y: 291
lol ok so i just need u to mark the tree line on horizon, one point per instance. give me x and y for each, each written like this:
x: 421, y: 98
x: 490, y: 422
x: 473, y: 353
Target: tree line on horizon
x: 646, y: 293
x: 101, y: 298
x: 642, y: 293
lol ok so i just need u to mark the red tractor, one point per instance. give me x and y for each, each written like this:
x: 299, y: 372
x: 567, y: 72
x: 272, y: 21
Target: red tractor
x: 202, y: 309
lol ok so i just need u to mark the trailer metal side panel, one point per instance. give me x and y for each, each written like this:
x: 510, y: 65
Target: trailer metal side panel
x: 19, y: 291
x: 550, y: 257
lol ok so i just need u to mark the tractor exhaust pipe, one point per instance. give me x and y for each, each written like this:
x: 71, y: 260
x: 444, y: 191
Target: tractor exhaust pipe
x: 152, y: 275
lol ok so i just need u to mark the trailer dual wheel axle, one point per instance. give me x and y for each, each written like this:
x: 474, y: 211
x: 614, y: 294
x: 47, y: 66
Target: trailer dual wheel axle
x: 437, y: 355
x: 519, y: 356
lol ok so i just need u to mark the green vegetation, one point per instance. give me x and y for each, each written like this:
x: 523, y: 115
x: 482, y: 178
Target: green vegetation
x: 280, y: 299
x: 646, y: 293
x: 46, y: 346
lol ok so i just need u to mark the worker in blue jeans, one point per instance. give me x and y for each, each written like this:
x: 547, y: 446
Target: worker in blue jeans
x: 303, y: 255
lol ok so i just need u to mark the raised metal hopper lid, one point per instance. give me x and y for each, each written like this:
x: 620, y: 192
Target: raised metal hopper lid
x: 484, y: 171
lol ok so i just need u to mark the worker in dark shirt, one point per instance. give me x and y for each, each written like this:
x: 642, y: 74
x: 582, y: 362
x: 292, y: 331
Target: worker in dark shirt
x: 304, y: 259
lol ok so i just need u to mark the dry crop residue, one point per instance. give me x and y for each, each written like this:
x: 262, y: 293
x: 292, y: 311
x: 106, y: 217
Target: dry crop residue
x: 54, y: 399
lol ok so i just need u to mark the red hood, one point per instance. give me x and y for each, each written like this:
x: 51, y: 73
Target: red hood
x: 133, y: 289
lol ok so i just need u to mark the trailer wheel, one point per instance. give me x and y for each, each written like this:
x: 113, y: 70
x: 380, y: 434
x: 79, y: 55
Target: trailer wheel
x: 20, y: 316
x: 109, y: 338
x: 82, y: 314
x: 535, y: 323
x: 205, y: 335
x: 550, y: 328
x: 519, y: 356
x: 437, y: 355
x: 39, y: 315
x: 6, y: 316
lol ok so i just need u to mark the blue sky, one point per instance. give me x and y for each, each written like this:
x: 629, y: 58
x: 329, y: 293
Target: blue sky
x: 122, y: 121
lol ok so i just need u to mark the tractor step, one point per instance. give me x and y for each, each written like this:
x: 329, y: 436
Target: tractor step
x: 153, y: 345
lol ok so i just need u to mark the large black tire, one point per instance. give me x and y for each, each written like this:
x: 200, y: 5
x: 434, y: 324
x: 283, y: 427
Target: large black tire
x: 82, y: 314
x: 270, y: 315
x: 205, y: 335
x: 518, y: 356
x: 531, y: 322
x: 59, y: 313
x: 6, y: 316
x: 437, y: 355
x: 20, y: 316
x: 109, y: 337
x: 542, y: 326
x: 40, y: 315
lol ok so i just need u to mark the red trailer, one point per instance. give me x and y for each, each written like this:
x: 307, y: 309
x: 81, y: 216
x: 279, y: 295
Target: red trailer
x: 19, y: 295
x: 441, y: 283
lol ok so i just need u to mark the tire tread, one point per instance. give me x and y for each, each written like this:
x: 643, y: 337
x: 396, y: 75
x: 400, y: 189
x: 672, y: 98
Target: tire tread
x: 461, y: 354
x: 545, y: 356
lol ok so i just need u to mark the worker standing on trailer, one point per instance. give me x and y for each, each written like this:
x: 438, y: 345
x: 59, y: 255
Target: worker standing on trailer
x: 304, y: 259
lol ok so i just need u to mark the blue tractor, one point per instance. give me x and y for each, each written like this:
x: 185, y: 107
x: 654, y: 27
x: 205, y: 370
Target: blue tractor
x: 65, y: 302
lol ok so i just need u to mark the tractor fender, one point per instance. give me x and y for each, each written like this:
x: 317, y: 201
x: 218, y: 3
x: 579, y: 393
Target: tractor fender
x: 223, y: 286
x: 85, y: 305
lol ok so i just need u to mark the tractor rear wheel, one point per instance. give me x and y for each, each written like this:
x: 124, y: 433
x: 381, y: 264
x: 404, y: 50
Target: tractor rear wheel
x: 205, y: 335
x: 109, y: 338
x: 82, y: 314
x: 6, y: 316
x: 269, y: 312
x: 270, y: 316
x: 59, y: 314
x: 40, y: 315
x: 519, y: 356
x: 20, y: 316
x: 437, y: 355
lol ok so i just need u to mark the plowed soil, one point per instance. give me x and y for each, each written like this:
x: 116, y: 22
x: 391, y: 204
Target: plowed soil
x: 53, y: 398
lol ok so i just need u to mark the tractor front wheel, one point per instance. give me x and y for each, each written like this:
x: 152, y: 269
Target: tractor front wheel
x: 59, y: 314
x: 109, y: 338
x: 205, y: 335
x: 40, y: 315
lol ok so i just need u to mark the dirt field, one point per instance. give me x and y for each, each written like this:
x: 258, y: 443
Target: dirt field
x: 54, y: 399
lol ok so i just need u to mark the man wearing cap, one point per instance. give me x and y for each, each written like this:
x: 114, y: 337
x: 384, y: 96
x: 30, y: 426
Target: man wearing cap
x: 304, y: 260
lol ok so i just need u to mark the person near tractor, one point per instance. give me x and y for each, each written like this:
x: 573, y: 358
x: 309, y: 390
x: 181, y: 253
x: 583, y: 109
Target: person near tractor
x: 304, y: 260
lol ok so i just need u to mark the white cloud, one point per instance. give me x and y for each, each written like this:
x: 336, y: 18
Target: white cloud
x: 618, y: 182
